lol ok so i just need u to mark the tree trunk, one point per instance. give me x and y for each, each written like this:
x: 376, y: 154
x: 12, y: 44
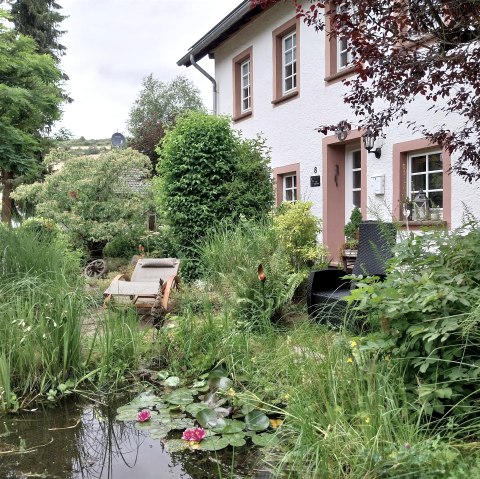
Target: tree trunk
x: 7, y: 188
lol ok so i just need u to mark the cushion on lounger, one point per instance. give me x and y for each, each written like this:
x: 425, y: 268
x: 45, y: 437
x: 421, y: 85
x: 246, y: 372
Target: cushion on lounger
x: 158, y: 262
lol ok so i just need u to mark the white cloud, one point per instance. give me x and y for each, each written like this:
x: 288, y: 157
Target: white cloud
x: 113, y: 44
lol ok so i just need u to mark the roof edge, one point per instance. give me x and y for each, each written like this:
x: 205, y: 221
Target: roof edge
x: 238, y: 17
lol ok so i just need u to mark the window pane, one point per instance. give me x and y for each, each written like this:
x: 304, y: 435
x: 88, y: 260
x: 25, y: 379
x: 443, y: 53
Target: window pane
x: 288, y: 57
x: 419, y: 163
x: 436, y: 199
x: 357, y: 160
x: 343, y: 43
x: 288, y: 84
x: 245, y: 68
x: 435, y: 162
x: 357, y: 179
x: 288, y: 43
x: 294, y: 195
x: 289, y: 195
x: 418, y: 182
x: 294, y: 39
x: 356, y: 198
x: 435, y: 181
x: 289, y: 181
x: 343, y: 59
x: 294, y: 181
x: 288, y: 70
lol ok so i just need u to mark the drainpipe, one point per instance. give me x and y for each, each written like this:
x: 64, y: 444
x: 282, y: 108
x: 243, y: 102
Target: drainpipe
x: 214, y: 82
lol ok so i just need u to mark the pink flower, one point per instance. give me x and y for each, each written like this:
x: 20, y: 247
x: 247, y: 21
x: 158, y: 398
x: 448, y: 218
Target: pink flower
x: 144, y: 415
x: 193, y: 434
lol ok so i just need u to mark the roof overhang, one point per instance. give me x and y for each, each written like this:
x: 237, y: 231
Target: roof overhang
x: 235, y: 20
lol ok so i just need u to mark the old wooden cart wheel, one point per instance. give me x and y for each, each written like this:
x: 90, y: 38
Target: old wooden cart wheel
x: 96, y: 268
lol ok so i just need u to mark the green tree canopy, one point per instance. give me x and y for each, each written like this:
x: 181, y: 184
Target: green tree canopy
x: 30, y: 98
x: 94, y: 198
x: 39, y: 19
x: 209, y: 173
x: 156, y: 108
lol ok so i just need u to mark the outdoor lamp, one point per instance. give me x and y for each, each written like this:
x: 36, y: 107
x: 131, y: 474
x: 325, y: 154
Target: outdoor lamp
x: 369, y: 141
x: 420, y: 206
x: 342, y: 130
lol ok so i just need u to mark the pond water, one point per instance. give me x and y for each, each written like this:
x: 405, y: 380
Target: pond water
x: 84, y: 441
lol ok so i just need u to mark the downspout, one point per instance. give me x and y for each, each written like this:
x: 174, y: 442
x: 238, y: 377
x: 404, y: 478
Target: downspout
x: 214, y: 82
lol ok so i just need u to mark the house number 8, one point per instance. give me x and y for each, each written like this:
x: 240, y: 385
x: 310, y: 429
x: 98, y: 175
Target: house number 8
x: 315, y: 170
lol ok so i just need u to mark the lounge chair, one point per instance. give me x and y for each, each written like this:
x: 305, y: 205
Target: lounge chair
x: 327, y: 289
x: 151, y: 282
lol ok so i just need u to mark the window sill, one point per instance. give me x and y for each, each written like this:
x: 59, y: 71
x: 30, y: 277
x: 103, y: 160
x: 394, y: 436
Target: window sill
x: 286, y: 97
x: 420, y: 224
x: 242, y: 116
x: 340, y: 74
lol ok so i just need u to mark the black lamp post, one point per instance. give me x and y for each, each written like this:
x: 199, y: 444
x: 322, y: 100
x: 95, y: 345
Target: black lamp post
x: 369, y: 142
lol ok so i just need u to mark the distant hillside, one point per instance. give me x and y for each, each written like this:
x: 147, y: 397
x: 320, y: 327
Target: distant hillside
x: 82, y: 147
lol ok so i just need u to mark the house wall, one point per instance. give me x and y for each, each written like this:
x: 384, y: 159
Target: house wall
x: 289, y: 126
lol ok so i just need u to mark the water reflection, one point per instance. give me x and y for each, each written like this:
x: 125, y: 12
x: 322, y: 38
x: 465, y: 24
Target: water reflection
x: 73, y: 442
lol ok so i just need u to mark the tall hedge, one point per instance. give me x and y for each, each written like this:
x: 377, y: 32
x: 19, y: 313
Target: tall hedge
x: 208, y: 173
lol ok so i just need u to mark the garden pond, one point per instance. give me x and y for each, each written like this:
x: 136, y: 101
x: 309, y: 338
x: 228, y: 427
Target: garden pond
x: 85, y: 440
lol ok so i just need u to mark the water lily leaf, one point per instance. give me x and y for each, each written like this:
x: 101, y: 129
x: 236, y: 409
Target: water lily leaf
x: 236, y: 440
x: 195, y: 407
x: 209, y: 419
x: 257, y: 421
x: 180, y: 396
x: 162, y: 375
x: 222, y: 411
x: 199, y: 384
x: 172, y: 382
x: 176, y: 445
x: 159, y: 432
x: 181, y: 424
x: 246, y: 408
x: 265, y: 439
x: 214, y: 443
x: 231, y: 426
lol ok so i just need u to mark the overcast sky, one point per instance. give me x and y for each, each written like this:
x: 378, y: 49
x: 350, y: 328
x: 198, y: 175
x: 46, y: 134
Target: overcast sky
x: 113, y: 44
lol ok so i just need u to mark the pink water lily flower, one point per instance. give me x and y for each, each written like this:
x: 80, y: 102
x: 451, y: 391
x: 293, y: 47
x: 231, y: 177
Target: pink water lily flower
x: 194, y: 434
x: 144, y: 415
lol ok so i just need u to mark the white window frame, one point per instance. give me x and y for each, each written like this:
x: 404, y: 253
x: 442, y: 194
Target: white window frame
x: 245, y: 86
x: 349, y: 189
x: 426, y: 173
x: 341, y: 49
x: 293, y: 62
x: 293, y: 189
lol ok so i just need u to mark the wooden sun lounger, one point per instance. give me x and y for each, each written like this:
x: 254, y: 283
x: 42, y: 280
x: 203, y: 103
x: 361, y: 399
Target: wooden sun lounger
x: 152, y: 281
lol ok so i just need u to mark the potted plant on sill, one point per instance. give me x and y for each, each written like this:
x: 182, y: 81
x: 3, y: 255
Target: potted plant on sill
x: 351, y: 230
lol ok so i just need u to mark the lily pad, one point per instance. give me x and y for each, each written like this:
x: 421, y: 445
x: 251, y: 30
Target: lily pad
x: 236, y: 440
x: 176, y: 445
x: 231, y: 426
x: 214, y: 443
x: 257, y: 421
x: 265, y: 439
x: 159, y: 432
x: 199, y: 384
x: 209, y: 419
x: 195, y: 407
x: 181, y: 396
x: 172, y: 382
x: 224, y: 383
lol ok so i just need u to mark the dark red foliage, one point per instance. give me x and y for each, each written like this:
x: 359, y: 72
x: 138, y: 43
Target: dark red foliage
x: 404, y: 49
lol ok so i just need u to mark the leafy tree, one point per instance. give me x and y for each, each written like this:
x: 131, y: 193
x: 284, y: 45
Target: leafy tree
x: 94, y: 198
x: 406, y: 50
x: 39, y: 19
x: 209, y: 173
x: 30, y: 98
x: 156, y: 108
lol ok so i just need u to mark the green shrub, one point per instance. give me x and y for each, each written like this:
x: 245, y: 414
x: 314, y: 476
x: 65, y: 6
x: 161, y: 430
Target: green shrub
x: 297, y: 228
x: 351, y: 228
x: 428, y: 311
x: 208, y: 173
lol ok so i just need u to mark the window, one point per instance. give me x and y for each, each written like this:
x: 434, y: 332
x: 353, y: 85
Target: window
x: 286, y: 61
x: 287, y: 183
x: 417, y: 165
x: 289, y: 56
x: 356, y: 178
x: 246, y: 86
x: 243, y: 85
x: 290, y: 188
x: 425, y: 172
x: 337, y: 54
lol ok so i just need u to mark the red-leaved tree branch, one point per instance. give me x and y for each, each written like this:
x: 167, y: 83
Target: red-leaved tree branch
x: 404, y: 50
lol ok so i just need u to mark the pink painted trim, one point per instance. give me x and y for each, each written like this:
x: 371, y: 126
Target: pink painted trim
x: 278, y: 174
x: 399, y: 175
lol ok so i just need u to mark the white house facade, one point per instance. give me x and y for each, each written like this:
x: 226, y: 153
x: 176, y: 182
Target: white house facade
x: 276, y: 76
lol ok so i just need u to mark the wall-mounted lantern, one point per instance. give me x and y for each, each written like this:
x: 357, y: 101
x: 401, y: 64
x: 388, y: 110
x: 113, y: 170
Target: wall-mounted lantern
x: 342, y: 130
x: 369, y: 141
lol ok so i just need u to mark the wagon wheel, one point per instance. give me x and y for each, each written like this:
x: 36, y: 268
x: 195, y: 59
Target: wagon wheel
x: 96, y: 268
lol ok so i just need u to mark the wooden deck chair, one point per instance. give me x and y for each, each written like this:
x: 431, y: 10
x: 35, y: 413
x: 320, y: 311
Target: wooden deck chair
x: 152, y: 282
